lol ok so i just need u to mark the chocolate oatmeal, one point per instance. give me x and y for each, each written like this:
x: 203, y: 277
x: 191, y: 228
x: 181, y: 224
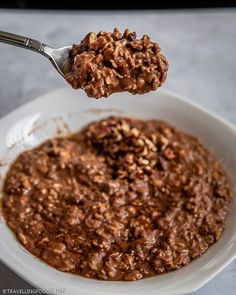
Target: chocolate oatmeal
x: 123, y: 199
x: 105, y: 63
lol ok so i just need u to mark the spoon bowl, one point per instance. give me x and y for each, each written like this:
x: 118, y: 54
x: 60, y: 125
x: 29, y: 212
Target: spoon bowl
x: 59, y: 58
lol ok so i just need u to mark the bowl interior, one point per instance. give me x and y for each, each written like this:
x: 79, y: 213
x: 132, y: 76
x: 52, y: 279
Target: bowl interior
x: 64, y: 111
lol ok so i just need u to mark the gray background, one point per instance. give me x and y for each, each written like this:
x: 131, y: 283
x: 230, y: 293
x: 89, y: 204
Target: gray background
x: 200, y: 46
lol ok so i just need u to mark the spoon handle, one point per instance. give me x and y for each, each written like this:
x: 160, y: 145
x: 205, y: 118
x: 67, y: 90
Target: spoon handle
x: 56, y: 56
x: 22, y: 41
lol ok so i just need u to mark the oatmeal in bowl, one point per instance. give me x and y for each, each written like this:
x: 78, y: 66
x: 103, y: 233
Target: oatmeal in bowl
x: 122, y: 199
x: 82, y: 198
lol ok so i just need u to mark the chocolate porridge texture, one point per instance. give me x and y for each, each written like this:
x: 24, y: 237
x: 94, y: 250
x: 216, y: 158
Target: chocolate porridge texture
x: 105, y: 63
x: 123, y: 199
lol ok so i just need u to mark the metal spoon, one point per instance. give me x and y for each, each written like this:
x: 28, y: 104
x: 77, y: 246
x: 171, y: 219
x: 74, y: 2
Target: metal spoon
x: 59, y: 57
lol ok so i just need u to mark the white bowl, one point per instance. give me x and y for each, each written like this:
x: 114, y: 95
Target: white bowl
x: 44, y: 117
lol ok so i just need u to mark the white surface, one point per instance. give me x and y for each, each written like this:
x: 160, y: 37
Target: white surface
x: 17, y: 130
x: 200, y: 46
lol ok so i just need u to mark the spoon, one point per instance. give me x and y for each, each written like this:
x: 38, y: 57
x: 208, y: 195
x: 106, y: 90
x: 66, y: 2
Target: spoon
x: 59, y: 57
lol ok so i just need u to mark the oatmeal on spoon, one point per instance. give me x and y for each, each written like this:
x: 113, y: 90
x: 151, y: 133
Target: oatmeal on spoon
x: 103, y: 63
x: 106, y: 63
